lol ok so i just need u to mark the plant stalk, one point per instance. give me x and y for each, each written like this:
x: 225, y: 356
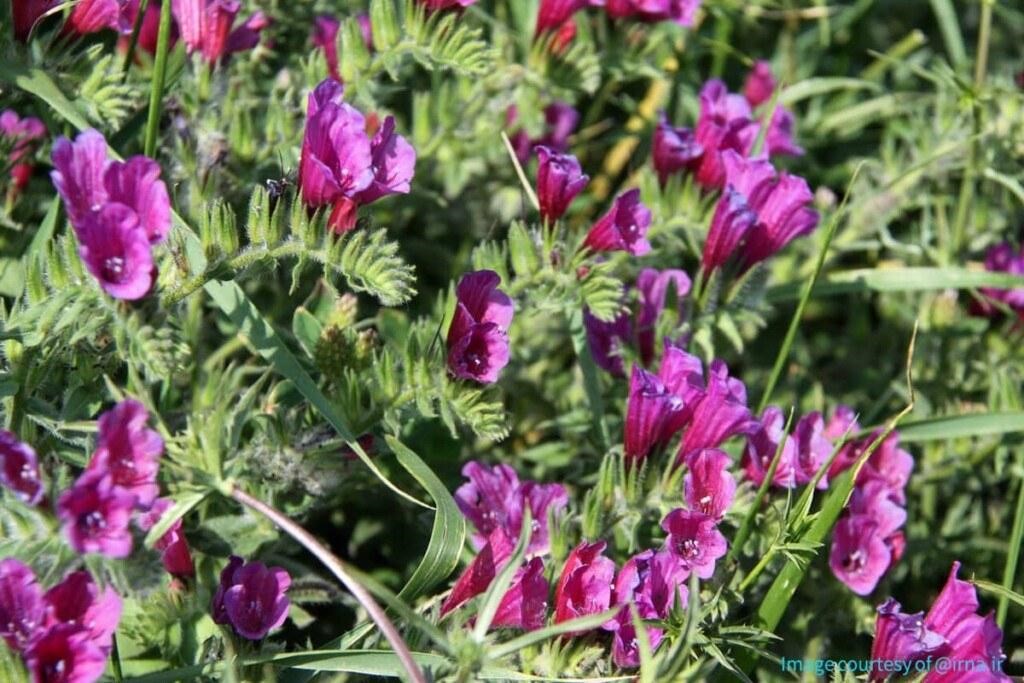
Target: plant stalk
x: 156, y: 93
x: 1012, y: 556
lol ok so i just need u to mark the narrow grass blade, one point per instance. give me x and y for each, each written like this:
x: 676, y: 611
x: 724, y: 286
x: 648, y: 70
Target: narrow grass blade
x: 183, y: 504
x: 1003, y: 593
x: 962, y: 426
x: 1012, y: 556
x: 591, y: 378
x: 586, y: 623
x: 947, y: 15
x: 499, y: 586
x: 911, y: 279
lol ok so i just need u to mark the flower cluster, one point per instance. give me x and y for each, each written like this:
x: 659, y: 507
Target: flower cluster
x: 119, y: 479
x: 478, y: 347
x: 63, y: 634
x: 1002, y: 258
x: 341, y: 166
x: 251, y: 598
x: 952, y: 629
x: 118, y: 210
x: 21, y: 135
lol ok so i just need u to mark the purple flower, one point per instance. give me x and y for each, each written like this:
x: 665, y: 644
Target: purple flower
x: 902, y: 637
x: 325, y: 37
x: 760, y: 83
x: 172, y: 546
x: 606, y: 340
x: 1002, y: 258
x: 22, y: 609
x: 393, y: 164
x: 761, y: 448
x: 129, y: 452
x: 673, y: 149
x: 525, y: 605
x: 654, y: 582
x: 478, y: 347
x: 859, y: 555
x: 561, y: 119
x: 435, y: 5
x: 780, y: 139
x: 731, y: 227
x: 653, y: 287
x: 681, y: 12
x: 623, y: 228
x: 725, y: 123
x: 585, y: 584
x: 22, y: 134
x: 709, y: 487
x: 890, y: 465
x: 695, y: 540
x: 478, y: 575
x: 873, y: 500
x: 719, y: 413
x: 336, y: 156
x: 653, y: 414
x: 90, y: 16
x: 25, y: 14
x: 553, y: 13
x: 206, y: 27
x: 95, y: 515
x: 115, y: 250
x: 494, y: 498
x: 251, y: 598
x: 559, y: 180
x: 813, y: 448
x: 65, y: 653
x: 19, y: 469
x: 78, y: 600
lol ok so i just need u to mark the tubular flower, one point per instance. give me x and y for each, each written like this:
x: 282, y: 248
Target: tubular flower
x: 325, y: 37
x: 149, y: 30
x: 172, y: 546
x: 651, y: 413
x: 719, y: 412
x: 552, y: 14
x: 559, y: 180
x: 129, y: 452
x: 19, y: 469
x: 673, y: 149
x: 725, y: 124
x: 478, y: 575
x: 653, y: 289
x: 95, y: 515
x: 65, y: 654
x: 478, y: 347
x: 762, y: 446
x: 560, y: 119
x: 708, y: 486
x: 585, y: 584
x: 695, y: 540
x: 78, y: 600
x: 90, y: 16
x: 251, y: 598
x: 623, y: 228
x: 205, y: 27
x: 525, y: 605
x: 859, y: 555
x: 760, y: 83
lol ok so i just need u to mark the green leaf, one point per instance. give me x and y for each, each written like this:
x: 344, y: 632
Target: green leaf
x: 962, y: 426
x: 183, y: 504
x: 909, y: 279
x: 37, y: 82
x: 448, y: 533
x: 996, y: 589
x: 306, y: 329
x: 586, y: 623
x: 812, y: 87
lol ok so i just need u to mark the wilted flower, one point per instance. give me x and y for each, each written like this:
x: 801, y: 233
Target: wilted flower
x: 128, y: 451
x: 495, y: 498
x: 206, y: 27
x: 19, y: 469
x: 760, y: 83
x: 26, y: 13
x: 525, y: 605
x: 22, y: 134
x: 673, y: 149
x: 78, y: 600
x: 681, y: 12
x: 22, y: 608
x: 694, y: 538
x: 623, y: 228
x: 172, y: 546
x: 585, y: 584
x: 859, y: 555
x: 90, y: 16
x: 251, y: 598
x: 559, y: 180
x: 709, y: 487
x: 95, y: 515
x: 65, y: 653
x: 478, y: 347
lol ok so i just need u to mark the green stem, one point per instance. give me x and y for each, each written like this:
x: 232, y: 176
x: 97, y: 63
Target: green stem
x: 156, y: 94
x: 115, y: 657
x: 756, y: 571
x: 134, y: 40
x: 1012, y: 557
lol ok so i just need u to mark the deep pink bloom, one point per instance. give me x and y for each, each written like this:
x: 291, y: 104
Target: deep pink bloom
x: 731, y: 226
x: 872, y: 500
x: 725, y: 123
x: 22, y: 134
x: 90, y: 16
x: 607, y: 339
x: 1003, y: 258
x: 762, y: 446
x: 859, y: 555
x: 478, y: 347
x: 695, y: 540
x: 477, y: 576
x: 525, y: 605
x: 95, y: 515
x: 681, y: 12
x: 88, y: 180
x: 654, y: 582
x: 559, y: 180
x: 205, y: 27
x: 843, y: 420
x: 890, y: 465
x: 780, y: 139
x: 495, y: 498
x: 760, y: 83
x: 719, y: 412
x: 673, y: 149
x: 652, y: 414
x: 903, y: 637
x: 585, y: 584
x: 553, y: 13
x: 251, y: 598
x: 25, y: 14
x: 172, y: 546
x: 325, y: 37
x: 435, y: 5
x: 78, y: 600
x: 65, y: 653
x: 393, y: 164
x: 653, y: 288
x: 561, y: 120
x: 116, y: 252
x: 22, y: 609
x: 19, y: 469
x: 623, y: 228
x: 709, y: 487
x: 128, y: 451
x: 150, y: 28
x: 813, y: 448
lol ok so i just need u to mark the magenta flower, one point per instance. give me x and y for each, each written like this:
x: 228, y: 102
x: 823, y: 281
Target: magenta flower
x: 681, y: 12
x: 205, y: 27
x: 78, y: 600
x: 393, y: 164
x: 731, y: 227
x: 26, y: 13
x: 585, y: 584
x: 623, y: 228
x: 116, y: 252
x: 478, y: 575
x: 325, y: 37
x: 525, y: 605
x: 761, y: 447
x: 890, y: 465
x: 95, y: 515
x: 19, y: 469
x: 653, y: 288
x: 150, y: 28
x: 494, y: 498
x: 65, y: 654
x: 22, y: 134
x: 760, y: 83
x: 695, y: 540
x: 90, y: 16
x: 129, y: 452
x: 725, y: 123
x: 553, y: 13
x: 251, y: 598
x: 719, y: 412
x: 780, y: 139
x: 654, y: 582
x: 903, y: 637
x: 873, y: 500
x: 561, y: 120
x: 559, y: 180
x: 673, y: 149
x: 813, y: 448
x: 653, y: 414
x: 1002, y: 258
x: 478, y: 347
x: 607, y: 339
x: 22, y: 609
x: 435, y: 5
x: 859, y: 555
x: 709, y: 487
x: 172, y: 546
x: 843, y: 420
